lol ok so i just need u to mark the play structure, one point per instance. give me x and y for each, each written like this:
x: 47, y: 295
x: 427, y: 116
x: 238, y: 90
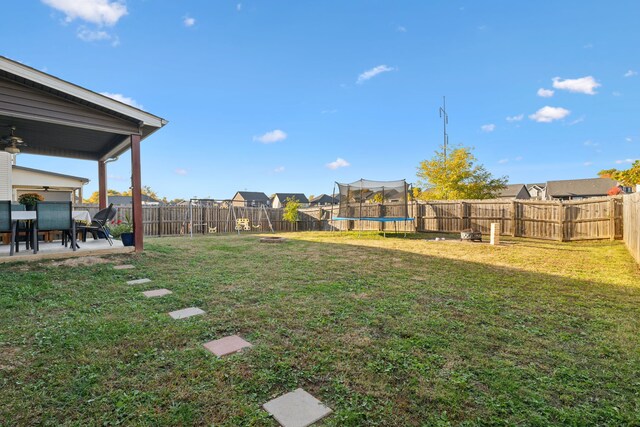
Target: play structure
x: 199, y: 218
x: 247, y: 219
x: 379, y: 201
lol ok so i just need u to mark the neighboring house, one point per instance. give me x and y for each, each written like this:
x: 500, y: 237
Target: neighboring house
x: 323, y: 200
x: 52, y: 186
x: 515, y: 191
x: 576, y: 189
x: 537, y: 191
x: 126, y: 200
x: 250, y: 198
x: 279, y: 200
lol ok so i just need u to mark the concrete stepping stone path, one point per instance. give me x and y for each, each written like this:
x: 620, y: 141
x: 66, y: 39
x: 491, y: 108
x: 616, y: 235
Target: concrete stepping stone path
x: 138, y: 281
x: 124, y: 267
x: 227, y: 345
x: 186, y: 312
x: 156, y: 293
x: 296, y: 409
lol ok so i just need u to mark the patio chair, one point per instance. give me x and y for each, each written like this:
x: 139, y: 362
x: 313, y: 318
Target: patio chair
x: 99, y: 223
x: 54, y: 216
x: 7, y: 225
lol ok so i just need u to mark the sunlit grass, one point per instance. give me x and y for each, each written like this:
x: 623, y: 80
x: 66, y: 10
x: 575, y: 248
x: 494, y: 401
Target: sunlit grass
x: 384, y: 331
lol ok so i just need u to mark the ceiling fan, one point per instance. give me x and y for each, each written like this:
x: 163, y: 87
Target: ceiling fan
x: 12, y: 142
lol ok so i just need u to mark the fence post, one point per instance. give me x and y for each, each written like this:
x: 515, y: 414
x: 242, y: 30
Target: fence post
x: 160, y: 219
x: 561, y: 220
x: 612, y: 219
x: 513, y: 218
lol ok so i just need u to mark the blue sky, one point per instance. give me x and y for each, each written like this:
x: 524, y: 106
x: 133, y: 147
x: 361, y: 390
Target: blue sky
x: 291, y: 96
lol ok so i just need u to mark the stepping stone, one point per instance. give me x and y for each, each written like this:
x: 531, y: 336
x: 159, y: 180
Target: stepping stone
x: 157, y: 293
x: 123, y: 267
x: 227, y: 345
x: 296, y: 409
x: 186, y: 312
x: 138, y: 281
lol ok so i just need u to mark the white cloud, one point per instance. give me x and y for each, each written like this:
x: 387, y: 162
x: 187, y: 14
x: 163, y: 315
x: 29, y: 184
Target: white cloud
x: 488, y: 128
x: 548, y: 114
x: 631, y: 73
x: 239, y: 7
x: 124, y: 99
x: 117, y: 178
x: 503, y: 161
x: 590, y: 143
x: 545, y: 93
x: 517, y: 118
x: 373, y: 72
x: 616, y: 93
x: 339, y: 163
x: 625, y: 161
x: 271, y: 137
x: 517, y: 159
x: 588, y: 46
x: 181, y: 171
x: 587, y: 163
x: 189, y: 22
x: 279, y: 169
x: 581, y: 85
x: 88, y: 35
x: 628, y: 139
x: 401, y: 29
x: 576, y: 121
x: 100, y: 12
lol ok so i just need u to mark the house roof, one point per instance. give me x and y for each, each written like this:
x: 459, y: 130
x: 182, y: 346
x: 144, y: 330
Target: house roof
x: 58, y: 118
x: 323, y: 198
x: 299, y: 197
x: 252, y: 196
x: 126, y: 200
x: 512, y: 190
x: 78, y: 178
x: 539, y: 184
x: 580, y: 187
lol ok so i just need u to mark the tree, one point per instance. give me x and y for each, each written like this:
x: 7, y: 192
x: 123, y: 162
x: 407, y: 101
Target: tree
x: 95, y: 196
x: 629, y: 177
x: 457, y: 176
x: 291, y: 210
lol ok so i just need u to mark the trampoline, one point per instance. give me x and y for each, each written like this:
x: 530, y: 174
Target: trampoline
x: 378, y: 201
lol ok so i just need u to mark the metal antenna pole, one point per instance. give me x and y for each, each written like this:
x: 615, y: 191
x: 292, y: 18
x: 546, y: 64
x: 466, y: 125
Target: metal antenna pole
x: 445, y: 122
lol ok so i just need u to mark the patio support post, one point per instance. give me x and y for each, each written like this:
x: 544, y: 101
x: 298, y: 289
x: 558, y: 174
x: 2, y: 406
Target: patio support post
x: 102, y: 184
x: 136, y: 193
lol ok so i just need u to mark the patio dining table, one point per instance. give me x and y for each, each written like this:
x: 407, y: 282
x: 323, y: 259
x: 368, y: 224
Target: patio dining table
x: 78, y: 216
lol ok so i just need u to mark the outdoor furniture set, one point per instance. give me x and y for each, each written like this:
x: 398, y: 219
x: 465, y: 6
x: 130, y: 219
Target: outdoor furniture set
x: 50, y: 217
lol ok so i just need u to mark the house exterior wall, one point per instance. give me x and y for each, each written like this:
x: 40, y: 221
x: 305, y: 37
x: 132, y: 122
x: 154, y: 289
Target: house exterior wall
x: 6, y: 192
x: 49, y: 196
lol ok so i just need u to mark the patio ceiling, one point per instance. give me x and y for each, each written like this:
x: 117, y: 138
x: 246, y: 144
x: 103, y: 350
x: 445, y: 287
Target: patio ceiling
x: 58, y: 118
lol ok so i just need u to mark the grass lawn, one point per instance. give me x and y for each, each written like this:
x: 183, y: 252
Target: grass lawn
x: 393, y: 332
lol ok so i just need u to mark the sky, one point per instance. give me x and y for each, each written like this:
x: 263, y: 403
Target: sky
x: 291, y: 96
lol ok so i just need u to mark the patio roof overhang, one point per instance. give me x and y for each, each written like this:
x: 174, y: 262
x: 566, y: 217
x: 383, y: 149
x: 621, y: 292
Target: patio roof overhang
x: 57, y: 118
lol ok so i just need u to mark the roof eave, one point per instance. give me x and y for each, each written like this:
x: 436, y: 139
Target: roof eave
x: 76, y: 91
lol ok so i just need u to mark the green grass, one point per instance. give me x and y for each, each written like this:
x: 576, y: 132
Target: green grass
x: 389, y: 332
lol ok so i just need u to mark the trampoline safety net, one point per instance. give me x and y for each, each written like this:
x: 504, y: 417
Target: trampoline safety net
x: 373, y: 200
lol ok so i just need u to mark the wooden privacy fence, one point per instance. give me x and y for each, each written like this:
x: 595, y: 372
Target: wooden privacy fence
x: 598, y: 218
x: 632, y: 224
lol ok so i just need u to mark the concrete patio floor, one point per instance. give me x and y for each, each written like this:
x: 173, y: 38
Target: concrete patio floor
x: 53, y: 250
